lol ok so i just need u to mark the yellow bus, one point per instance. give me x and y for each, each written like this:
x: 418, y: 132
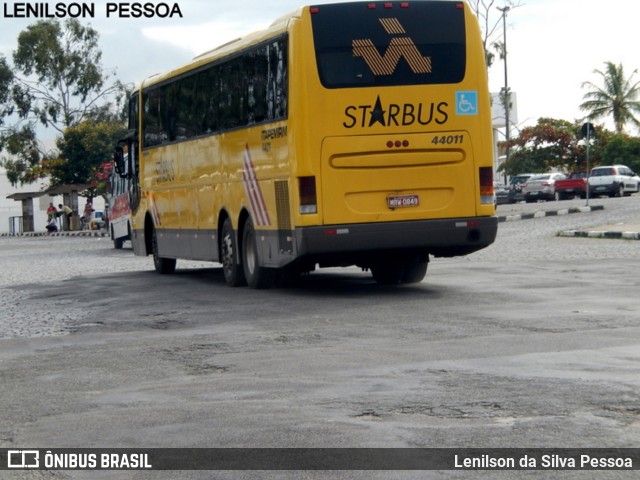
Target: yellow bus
x: 344, y: 134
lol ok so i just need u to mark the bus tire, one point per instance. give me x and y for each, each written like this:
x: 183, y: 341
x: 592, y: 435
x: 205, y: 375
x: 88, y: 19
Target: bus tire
x: 399, y: 272
x: 162, y: 265
x: 414, y: 272
x: 256, y: 275
x: 387, y: 273
x: 230, y: 258
x: 117, y: 242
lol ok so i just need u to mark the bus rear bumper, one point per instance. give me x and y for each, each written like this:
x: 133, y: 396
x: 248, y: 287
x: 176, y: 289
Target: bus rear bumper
x: 440, y: 238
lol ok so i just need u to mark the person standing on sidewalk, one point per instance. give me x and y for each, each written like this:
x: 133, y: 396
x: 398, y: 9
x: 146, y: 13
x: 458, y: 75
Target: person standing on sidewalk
x: 86, y: 215
x: 68, y: 213
x: 52, y: 211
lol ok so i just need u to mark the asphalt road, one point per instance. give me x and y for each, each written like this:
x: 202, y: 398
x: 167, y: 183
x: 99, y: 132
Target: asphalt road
x: 533, y: 342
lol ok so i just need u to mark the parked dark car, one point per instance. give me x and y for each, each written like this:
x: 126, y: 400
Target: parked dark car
x: 500, y: 193
x: 515, y: 187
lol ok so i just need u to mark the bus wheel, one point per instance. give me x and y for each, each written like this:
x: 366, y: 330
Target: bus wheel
x: 161, y: 264
x: 414, y: 272
x: 400, y: 272
x: 257, y: 276
x: 117, y: 242
x: 387, y: 273
x: 231, y: 267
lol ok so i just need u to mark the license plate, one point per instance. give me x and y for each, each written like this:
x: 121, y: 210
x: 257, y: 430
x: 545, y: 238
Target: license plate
x: 400, y: 201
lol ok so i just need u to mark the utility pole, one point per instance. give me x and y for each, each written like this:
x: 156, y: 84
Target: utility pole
x: 506, y: 98
x: 588, y: 131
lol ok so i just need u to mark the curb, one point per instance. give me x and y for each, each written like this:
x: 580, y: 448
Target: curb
x: 608, y: 234
x: 549, y: 213
x: 81, y: 233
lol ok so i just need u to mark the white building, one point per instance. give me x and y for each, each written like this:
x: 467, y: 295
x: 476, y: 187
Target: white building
x: 11, y: 210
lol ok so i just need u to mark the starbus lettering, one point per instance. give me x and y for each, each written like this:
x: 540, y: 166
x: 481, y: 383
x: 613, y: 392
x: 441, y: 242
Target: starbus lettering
x: 394, y: 114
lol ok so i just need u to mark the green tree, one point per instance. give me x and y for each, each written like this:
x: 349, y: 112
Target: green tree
x: 616, y: 97
x: 61, y: 79
x: 6, y: 80
x: 553, y: 144
x: 549, y: 143
x: 622, y: 149
x: 84, y: 149
x: 19, y: 141
x: 56, y: 81
x: 22, y: 145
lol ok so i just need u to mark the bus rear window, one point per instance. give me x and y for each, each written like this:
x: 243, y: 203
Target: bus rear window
x: 387, y: 44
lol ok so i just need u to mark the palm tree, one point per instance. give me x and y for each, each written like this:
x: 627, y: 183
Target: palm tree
x: 617, y: 97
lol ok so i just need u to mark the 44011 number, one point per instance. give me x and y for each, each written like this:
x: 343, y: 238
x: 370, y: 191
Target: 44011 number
x: 448, y: 140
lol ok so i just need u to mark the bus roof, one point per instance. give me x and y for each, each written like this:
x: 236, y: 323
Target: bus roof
x: 278, y: 26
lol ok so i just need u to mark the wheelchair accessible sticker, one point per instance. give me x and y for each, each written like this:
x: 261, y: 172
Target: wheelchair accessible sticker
x: 467, y: 103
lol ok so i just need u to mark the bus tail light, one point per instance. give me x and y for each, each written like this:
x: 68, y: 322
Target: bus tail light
x: 486, y: 185
x: 308, y: 197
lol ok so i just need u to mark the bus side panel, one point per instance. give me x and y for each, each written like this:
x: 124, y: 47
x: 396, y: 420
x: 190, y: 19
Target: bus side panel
x: 200, y: 171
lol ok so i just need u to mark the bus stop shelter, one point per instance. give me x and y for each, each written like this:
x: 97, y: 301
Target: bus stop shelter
x: 25, y: 223
x: 70, y: 193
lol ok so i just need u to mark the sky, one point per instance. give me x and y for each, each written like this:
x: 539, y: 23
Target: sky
x: 553, y: 45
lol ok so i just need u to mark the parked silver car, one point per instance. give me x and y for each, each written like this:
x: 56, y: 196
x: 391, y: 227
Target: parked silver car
x: 541, y: 187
